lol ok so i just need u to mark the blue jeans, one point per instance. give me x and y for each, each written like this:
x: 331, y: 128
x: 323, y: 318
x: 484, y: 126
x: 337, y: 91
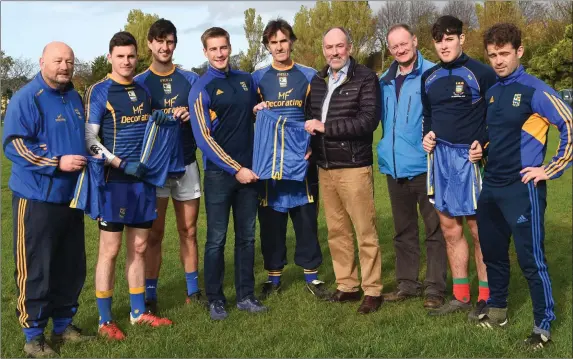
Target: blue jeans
x: 223, y: 192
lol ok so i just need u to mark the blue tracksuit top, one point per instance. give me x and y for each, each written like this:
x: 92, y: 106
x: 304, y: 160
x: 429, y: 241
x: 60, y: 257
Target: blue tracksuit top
x: 222, y: 118
x: 400, y: 152
x: 41, y: 125
x: 520, y: 110
x: 453, y: 100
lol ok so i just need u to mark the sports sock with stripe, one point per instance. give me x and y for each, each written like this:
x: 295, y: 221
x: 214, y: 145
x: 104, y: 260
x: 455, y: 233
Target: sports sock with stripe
x: 462, y: 289
x: 483, y: 291
x: 310, y: 275
x: 275, y: 276
x: 103, y: 299
x: 137, y: 300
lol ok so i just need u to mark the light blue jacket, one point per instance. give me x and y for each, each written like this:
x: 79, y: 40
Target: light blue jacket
x: 400, y: 152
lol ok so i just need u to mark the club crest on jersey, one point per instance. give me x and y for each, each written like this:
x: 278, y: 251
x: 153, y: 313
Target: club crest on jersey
x: 132, y: 95
x: 516, y: 100
x: 244, y: 86
x: 283, y: 81
x: 122, y: 212
x: 459, y: 88
x: 167, y: 88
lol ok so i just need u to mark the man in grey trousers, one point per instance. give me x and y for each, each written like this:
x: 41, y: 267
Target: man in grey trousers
x: 403, y: 160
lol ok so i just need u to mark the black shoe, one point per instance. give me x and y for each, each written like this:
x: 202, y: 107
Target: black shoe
x: 536, y: 341
x: 399, y: 295
x: 269, y: 288
x: 197, y: 298
x: 319, y: 289
x: 38, y: 348
x: 151, y: 305
x: 479, y: 311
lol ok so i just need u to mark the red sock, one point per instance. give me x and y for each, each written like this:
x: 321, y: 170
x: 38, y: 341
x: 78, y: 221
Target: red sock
x: 462, y: 289
x: 483, y: 291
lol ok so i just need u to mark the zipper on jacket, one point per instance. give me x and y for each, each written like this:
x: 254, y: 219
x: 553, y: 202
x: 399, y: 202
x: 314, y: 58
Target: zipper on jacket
x: 49, y: 188
x: 394, y: 132
x: 322, y: 135
x: 408, y: 112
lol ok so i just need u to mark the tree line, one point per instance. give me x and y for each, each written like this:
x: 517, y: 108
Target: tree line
x: 546, y: 30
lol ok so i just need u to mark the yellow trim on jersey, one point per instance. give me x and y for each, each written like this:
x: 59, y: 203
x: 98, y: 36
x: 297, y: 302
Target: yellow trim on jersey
x: 22, y: 271
x: 565, y: 113
x: 74, y: 203
x: 89, y: 96
x: 308, y: 194
x: 206, y: 135
x: 110, y: 109
x: 149, y: 143
x: 429, y: 186
x: 28, y: 155
x: 121, y: 82
x: 273, y: 172
x: 282, y: 150
x: 285, y: 69
x: 170, y: 72
x: 536, y: 126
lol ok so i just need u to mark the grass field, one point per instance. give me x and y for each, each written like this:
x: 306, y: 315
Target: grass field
x: 297, y: 325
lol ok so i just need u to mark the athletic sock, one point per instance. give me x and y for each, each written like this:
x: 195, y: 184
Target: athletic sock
x: 31, y: 333
x: 103, y: 299
x: 192, y: 279
x: 483, y: 291
x: 310, y: 275
x: 60, y: 324
x: 275, y: 276
x: 137, y: 300
x: 151, y: 289
x: 462, y: 289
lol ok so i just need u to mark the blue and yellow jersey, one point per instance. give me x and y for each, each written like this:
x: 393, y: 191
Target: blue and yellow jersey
x: 520, y: 109
x: 121, y: 110
x: 285, y: 91
x: 170, y: 91
x: 41, y: 125
x: 453, y: 102
x: 222, y: 118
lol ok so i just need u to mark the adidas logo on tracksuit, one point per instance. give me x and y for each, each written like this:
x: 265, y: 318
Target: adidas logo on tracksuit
x: 521, y: 219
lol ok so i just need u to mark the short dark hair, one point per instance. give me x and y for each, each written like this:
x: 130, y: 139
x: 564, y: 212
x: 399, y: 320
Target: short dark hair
x: 501, y: 34
x: 447, y: 25
x: 399, y: 26
x: 275, y: 26
x: 161, y: 29
x: 214, y: 32
x: 122, y: 38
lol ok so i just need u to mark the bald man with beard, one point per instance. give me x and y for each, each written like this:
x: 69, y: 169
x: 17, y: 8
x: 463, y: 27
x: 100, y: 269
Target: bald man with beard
x: 44, y: 139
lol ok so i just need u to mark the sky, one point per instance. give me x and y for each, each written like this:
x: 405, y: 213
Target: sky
x: 87, y: 26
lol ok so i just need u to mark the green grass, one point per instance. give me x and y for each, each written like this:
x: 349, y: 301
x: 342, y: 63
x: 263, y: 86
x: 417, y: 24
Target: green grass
x: 297, y: 325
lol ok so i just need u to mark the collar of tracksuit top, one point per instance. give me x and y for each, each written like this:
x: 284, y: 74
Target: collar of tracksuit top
x: 459, y: 62
x: 514, y: 76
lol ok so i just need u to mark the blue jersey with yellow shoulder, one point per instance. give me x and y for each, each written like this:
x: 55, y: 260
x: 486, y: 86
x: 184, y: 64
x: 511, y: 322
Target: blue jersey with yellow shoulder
x: 170, y: 91
x: 122, y: 110
x: 285, y: 91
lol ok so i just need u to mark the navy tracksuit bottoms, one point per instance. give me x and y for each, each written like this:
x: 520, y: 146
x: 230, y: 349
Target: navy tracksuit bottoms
x: 50, y: 259
x: 517, y: 209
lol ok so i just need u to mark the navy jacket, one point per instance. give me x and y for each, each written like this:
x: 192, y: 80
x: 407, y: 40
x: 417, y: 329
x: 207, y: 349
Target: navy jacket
x: 222, y: 118
x: 453, y: 100
x: 41, y: 125
x: 520, y: 109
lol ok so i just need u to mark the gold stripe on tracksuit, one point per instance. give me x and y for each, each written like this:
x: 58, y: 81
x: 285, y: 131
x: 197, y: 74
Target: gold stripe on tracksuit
x: 567, y: 118
x: 22, y: 272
